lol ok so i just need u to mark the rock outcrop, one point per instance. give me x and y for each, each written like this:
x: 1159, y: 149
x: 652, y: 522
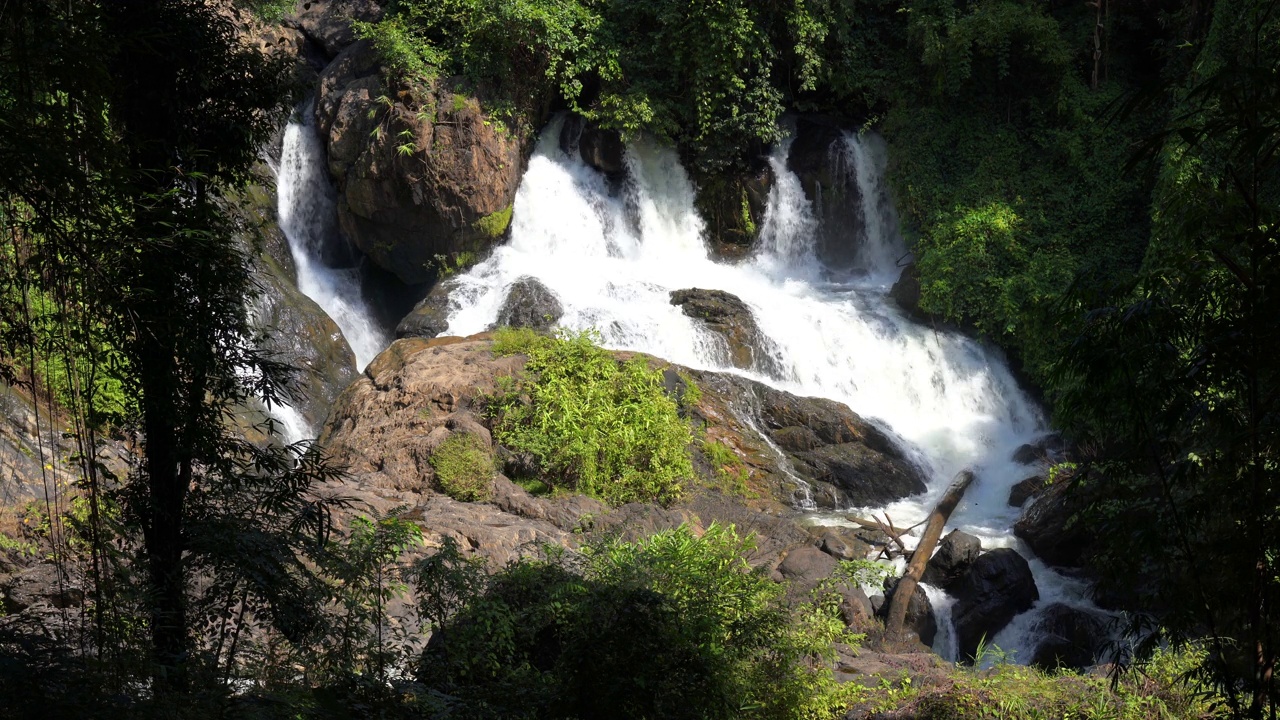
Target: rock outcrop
x: 529, y: 304
x: 430, y: 316
x: 997, y: 587
x: 1049, y: 526
x: 955, y: 555
x: 728, y: 317
x: 847, y: 461
x: 423, y: 173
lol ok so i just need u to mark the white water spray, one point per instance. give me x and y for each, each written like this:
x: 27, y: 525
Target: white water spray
x: 613, y: 257
x: 308, y: 219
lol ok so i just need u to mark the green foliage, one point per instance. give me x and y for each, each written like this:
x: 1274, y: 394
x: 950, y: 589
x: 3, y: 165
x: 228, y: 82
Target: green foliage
x: 1174, y: 378
x: 674, y: 626
x: 464, y: 467
x: 495, y: 224
x: 595, y: 425
x: 729, y: 470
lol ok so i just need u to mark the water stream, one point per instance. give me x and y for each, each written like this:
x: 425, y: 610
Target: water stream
x: 306, y: 202
x: 613, y: 255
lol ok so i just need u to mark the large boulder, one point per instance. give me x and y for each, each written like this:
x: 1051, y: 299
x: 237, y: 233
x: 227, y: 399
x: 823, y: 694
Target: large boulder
x: 1049, y: 526
x: 1024, y: 489
x: 998, y: 586
x: 530, y: 304
x: 430, y: 316
x: 955, y: 555
x: 806, y: 566
x: 1070, y: 638
x: 844, y: 460
x: 920, y: 619
x: 728, y: 317
x: 426, y: 179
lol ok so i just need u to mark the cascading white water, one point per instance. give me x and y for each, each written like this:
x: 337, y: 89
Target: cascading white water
x: 613, y: 257
x: 865, y: 157
x: 306, y: 206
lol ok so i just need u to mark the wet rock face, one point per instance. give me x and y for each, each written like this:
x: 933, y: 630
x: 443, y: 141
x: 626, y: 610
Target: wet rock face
x: 530, y: 304
x: 1071, y: 638
x: 420, y: 173
x: 430, y: 316
x: 300, y: 332
x: 955, y: 555
x: 815, y: 159
x: 920, y: 619
x: 598, y: 148
x: 1048, y: 525
x: 727, y: 316
x: 848, y: 461
x: 997, y: 587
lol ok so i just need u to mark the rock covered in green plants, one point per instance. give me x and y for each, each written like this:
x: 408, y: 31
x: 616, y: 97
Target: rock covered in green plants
x: 464, y: 467
x: 421, y: 172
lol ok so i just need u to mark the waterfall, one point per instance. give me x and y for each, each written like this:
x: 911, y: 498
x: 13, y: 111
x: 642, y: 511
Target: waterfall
x: 865, y: 157
x: 306, y: 206
x: 612, y: 255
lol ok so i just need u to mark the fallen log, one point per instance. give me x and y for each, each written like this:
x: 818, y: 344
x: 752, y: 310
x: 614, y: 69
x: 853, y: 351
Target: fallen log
x: 897, y: 614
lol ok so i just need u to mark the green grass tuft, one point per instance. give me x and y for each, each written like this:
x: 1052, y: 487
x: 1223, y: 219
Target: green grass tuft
x: 464, y: 468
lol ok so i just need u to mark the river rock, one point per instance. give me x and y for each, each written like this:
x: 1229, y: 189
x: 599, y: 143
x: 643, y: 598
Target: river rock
x: 1070, y: 638
x: 842, y: 544
x: 920, y: 619
x: 430, y: 316
x: 806, y: 566
x: 425, y: 178
x: 733, y: 205
x: 1024, y: 489
x: 1049, y: 526
x: 998, y: 586
x: 530, y: 304
x: 956, y: 553
x: 730, y: 318
x: 1046, y: 449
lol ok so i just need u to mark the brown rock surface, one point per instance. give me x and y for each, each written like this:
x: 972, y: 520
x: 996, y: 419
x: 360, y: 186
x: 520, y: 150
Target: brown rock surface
x: 421, y: 172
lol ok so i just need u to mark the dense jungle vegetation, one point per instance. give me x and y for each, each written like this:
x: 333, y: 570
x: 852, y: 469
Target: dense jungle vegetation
x: 1092, y: 186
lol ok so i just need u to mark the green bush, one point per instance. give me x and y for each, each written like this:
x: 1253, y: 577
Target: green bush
x: 595, y: 425
x: 464, y: 467
x: 674, y: 626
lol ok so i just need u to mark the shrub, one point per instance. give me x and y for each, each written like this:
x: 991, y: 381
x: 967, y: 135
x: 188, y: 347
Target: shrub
x: 673, y: 626
x: 464, y: 467
x: 595, y: 425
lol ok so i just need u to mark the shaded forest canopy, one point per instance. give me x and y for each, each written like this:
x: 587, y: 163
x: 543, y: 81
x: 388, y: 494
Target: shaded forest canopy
x: 1092, y: 186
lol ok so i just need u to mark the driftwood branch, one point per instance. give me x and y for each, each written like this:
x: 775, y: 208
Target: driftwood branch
x: 897, y: 615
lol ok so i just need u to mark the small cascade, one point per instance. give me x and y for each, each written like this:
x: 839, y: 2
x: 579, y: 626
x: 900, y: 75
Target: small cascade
x: 787, y: 236
x: 308, y: 218
x: 864, y: 158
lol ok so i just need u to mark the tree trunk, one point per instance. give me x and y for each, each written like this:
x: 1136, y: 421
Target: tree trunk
x: 920, y: 559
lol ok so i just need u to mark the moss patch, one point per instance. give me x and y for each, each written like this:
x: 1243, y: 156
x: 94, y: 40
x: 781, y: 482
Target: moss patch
x: 495, y: 224
x: 464, y: 468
